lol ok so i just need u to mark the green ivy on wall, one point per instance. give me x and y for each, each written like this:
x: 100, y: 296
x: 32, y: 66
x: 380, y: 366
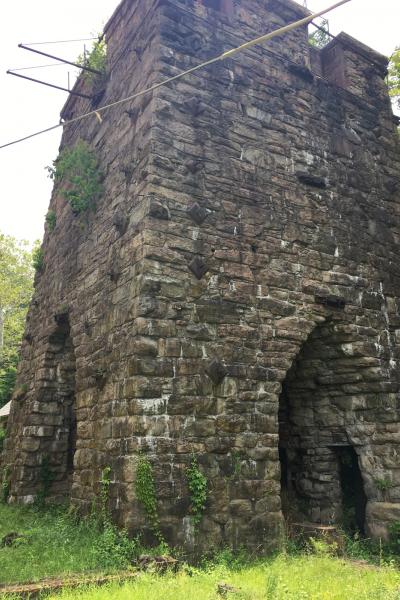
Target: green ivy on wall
x: 146, y: 495
x: 197, y: 484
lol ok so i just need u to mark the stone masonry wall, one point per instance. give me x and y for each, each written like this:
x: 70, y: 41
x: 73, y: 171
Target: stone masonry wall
x: 247, y: 208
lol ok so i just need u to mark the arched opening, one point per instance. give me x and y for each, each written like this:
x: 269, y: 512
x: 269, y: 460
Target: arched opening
x: 62, y: 355
x: 321, y: 479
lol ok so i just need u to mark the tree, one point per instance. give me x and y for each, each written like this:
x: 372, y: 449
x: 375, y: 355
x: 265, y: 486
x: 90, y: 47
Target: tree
x: 393, y: 79
x: 320, y: 37
x: 16, y: 285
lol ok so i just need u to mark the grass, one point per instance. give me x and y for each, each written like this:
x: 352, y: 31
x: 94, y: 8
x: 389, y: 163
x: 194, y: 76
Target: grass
x: 55, y: 544
x: 281, y: 578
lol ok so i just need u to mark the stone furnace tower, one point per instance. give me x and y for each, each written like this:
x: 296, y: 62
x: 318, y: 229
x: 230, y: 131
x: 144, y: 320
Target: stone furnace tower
x: 234, y: 296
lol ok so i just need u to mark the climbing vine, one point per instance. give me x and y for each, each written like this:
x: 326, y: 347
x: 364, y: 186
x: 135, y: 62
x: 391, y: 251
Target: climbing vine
x: 197, y: 484
x: 105, y: 482
x: 146, y: 494
x: 77, y: 169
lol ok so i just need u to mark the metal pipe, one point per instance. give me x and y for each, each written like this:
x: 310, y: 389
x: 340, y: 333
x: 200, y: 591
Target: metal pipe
x: 57, y: 87
x: 67, y: 62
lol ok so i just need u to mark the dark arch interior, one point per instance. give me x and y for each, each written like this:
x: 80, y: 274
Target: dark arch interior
x: 62, y: 355
x: 321, y: 480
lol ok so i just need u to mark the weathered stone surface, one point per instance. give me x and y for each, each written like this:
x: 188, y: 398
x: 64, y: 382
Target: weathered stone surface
x: 158, y: 210
x: 216, y: 371
x: 250, y: 213
x: 379, y: 515
x: 198, y: 213
x: 312, y: 180
x: 198, y: 267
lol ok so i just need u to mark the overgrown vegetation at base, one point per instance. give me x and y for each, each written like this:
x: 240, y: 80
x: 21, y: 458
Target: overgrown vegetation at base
x: 56, y: 543
x: 280, y: 578
x: 77, y: 171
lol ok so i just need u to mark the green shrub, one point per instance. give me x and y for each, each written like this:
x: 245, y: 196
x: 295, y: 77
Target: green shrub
x: 322, y: 547
x: 77, y: 170
x: 114, y: 549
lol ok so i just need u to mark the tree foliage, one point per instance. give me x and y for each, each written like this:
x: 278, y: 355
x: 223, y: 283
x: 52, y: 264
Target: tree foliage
x: 394, y: 76
x: 320, y: 37
x: 16, y: 284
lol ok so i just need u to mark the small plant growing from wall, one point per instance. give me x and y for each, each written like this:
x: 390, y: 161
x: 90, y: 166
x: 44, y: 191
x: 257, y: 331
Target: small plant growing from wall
x: 146, y: 495
x: 95, y: 59
x: 77, y: 170
x: 38, y: 259
x: 383, y: 484
x: 197, y: 484
x: 5, y: 484
x: 51, y: 220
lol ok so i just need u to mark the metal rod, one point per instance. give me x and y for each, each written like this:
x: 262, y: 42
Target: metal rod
x: 62, y: 41
x: 57, y: 87
x: 38, y: 67
x: 67, y: 62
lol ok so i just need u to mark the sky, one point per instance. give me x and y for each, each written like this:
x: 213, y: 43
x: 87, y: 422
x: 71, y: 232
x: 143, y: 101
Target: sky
x: 26, y: 107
